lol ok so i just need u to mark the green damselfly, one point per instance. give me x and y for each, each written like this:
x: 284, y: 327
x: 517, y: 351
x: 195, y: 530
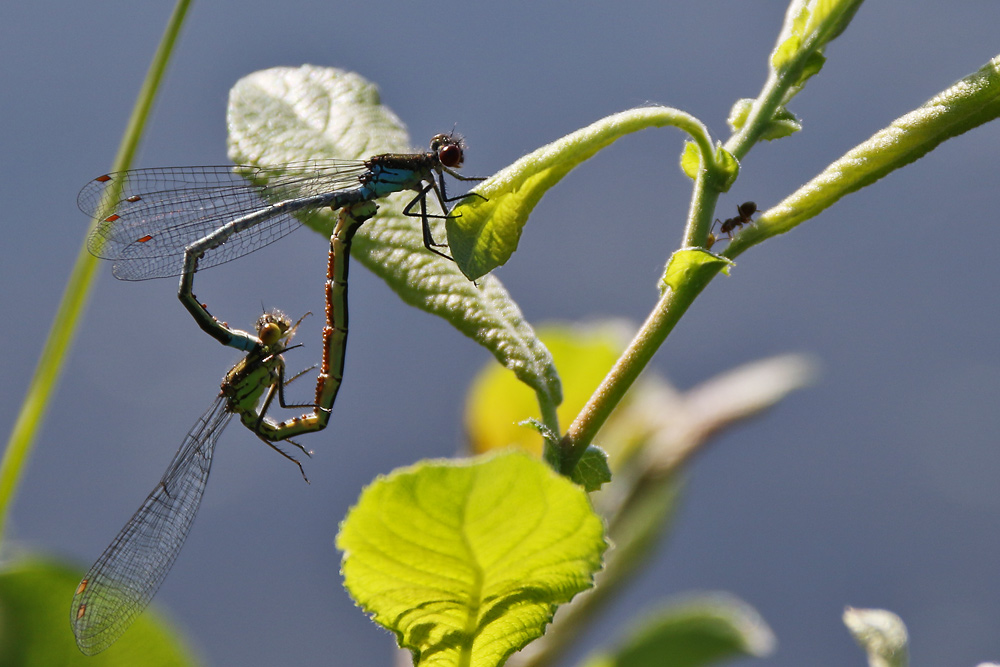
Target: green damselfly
x: 124, y: 579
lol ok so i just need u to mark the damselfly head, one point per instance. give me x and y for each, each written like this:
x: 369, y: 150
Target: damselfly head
x: 449, y: 148
x: 272, y: 327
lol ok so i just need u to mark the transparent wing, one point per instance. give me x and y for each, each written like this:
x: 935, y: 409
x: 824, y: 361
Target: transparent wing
x: 127, y: 575
x: 147, y: 217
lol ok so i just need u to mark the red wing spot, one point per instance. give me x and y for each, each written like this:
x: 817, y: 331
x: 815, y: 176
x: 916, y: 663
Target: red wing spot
x: 81, y: 611
x: 133, y: 198
x: 103, y: 179
x: 82, y: 587
x: 143, y: 239
x: 112, y: 217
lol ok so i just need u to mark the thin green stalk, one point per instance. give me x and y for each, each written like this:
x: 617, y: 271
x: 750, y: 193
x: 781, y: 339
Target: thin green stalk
x: 765, y: 105
x: 77, y: 292
x: 699, y: 221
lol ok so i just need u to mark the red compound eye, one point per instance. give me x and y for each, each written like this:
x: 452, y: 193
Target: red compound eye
x: 451, y: 155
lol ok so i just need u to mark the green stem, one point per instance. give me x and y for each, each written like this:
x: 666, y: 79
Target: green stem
x: 550, y: 418
x: 77, y: 291
x: 700, y: 214
x: 761, y: 113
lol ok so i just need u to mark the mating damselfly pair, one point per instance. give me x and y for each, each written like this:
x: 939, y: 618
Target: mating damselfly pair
x: 172, y: 221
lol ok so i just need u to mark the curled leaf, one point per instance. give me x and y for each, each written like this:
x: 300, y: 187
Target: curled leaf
x: 483, y: 231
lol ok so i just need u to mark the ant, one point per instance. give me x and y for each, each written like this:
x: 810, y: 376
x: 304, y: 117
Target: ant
x: 744, y: 211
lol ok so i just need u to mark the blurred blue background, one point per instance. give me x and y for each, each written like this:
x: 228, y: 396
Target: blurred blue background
x: 875, y: 488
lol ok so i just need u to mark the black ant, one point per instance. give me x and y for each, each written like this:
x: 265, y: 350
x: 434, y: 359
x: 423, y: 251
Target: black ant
x: 744, y: 211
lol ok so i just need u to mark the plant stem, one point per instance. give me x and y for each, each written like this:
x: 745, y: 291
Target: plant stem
x: 700, y: 213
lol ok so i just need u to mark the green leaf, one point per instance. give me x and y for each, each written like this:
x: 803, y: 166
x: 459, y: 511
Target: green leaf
x: 293, y: 114
x: 968, y: 103
x: 467, y: 561
x: 881, y: 634
x: 290, y: 114
x: 813, y: 64
x: 739, y: 113
x: 727, y: 169
x: 540, y: 428
x: 691, y: 160
x: 688, y: 264
x: 699, y: 631
x: 35, y: 630
x: 550, y: 452
x: 483, y: 232
x: 782, y: 123
x: 592, y: 470
x: 791, y: 37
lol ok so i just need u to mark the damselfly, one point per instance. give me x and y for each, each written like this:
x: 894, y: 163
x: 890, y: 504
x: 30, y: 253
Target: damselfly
x: 172, y: 221
x: 127, y: 575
